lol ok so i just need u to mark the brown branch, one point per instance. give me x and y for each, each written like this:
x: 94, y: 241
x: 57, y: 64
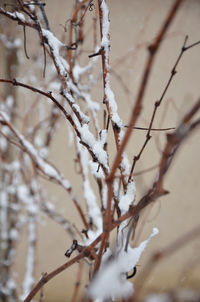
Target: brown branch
x: 146, y: 170
x: 135, y: 114
x: 147, y: 70
x: 72, y: 23
x: 78, y: 282
x: 67, y: 116
x: 39, y: 165
x: 158, y: 103
x: 152, y: 129
x: 14, y: 82
x: 47, y: 277
x: 164, y: 253
x: 174, y: 141
x: 25, y: 49
x: 15, y: 18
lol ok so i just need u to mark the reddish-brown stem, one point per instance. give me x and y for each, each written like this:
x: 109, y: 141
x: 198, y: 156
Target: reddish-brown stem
x: 173, y: 142
x: 135, y: 114
x: 68, y: 116
x: 73, y: 22
x: 78, y: 282
x: 158, y: 103
x: 147, y: 70
x: 164, y: 253
x: 105, y: 64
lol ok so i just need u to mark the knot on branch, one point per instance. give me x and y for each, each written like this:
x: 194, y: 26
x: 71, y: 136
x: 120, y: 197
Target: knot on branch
x: 72, y: 248
x: 173, y: 72
x: 91, y: 6
x: 152, y: 49
x: 14, y: 81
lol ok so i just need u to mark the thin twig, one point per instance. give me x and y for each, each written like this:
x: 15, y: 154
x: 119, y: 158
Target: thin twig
x: 158, y: 103
x: 152, y: 129
x: 174, y: 141
x: 25, y: 50
x: 165, y: 253
x: 135, y: 114
x: 147, y: 70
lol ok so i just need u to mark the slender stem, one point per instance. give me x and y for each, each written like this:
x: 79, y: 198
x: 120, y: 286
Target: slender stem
x: 147, y: 70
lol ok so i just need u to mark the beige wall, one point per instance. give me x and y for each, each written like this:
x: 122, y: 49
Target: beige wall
x: 133, y: 23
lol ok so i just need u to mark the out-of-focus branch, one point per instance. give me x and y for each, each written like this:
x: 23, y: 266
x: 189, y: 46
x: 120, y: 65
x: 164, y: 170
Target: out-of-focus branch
x: 81, y: 133
x: 165, y: 253
x: 45, y: 167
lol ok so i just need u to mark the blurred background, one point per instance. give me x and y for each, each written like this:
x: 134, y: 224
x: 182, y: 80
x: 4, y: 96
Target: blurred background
x: 133, y: 26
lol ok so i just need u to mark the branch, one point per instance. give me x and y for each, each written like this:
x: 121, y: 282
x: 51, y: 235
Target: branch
x: 86, y: 137
x: 166, y: 252
x: 147, y: 71
x: 135, y: 114
x: 158, y: 103
x: 174, y: 141
x: 45, y: 167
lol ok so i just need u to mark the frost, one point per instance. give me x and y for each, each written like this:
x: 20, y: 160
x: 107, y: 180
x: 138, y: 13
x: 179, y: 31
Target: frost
x: 110, y: 281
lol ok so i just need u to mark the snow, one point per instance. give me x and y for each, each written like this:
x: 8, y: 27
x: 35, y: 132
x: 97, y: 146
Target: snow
x: 20, y: 16
x: 91, y: 105
x: 105, y: 43
x: 96, y: 146
x: 16, y: 15
x: 94, y: 212
x: 3, y: 144
x: 9, y: 101
x: 161, y: 297
x: 128, y: 198
x: 8, y: 43
x: 78, y: 70
x: 105, y: 25
x: 47, y: 168
x: 96, y: 170
x: 55, y: 45
x: 5, y: 117
x: 13, y: 234
x: 32, y: 209
x: 3, y: 217
x: 84, y: 118
x: 8, y: 288
x: 110, y: 281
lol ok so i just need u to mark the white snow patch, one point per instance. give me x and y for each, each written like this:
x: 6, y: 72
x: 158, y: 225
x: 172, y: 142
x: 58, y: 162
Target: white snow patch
x: 96, y: 146
x: 128, y: 198
x: 55, y: 45
x: 110, y: 281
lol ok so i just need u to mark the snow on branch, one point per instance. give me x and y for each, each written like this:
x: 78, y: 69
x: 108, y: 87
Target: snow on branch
x: 110, y: 281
